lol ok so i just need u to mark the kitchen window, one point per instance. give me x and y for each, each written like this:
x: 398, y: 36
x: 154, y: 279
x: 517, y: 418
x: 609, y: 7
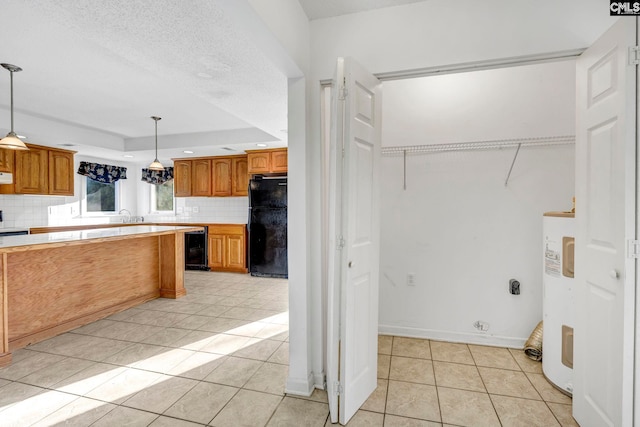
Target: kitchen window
x: 162, y: 197
x: 101, y: 197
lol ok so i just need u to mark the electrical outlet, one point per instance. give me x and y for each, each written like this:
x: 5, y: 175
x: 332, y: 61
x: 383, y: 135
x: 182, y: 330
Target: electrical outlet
x: 411, y: 279
x: 481, y: 325
x: 196, y: 209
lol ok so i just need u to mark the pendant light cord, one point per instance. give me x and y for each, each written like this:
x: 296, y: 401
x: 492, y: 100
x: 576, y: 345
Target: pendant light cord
x: 156, y: 120
x: 11, y: 80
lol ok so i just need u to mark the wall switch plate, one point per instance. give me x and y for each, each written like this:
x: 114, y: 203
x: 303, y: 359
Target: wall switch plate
x: 411, y: 279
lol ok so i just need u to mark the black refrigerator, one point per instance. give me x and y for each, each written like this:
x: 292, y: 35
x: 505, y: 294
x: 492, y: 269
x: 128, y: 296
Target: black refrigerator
x: 268, y: 227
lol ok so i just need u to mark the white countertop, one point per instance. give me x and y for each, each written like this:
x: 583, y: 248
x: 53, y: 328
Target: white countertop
x: 80, y: 235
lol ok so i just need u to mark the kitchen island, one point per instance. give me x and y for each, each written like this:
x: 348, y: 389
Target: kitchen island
x: 54, y: 282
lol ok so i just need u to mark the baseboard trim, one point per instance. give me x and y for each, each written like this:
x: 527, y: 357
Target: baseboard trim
x: 318, y: 380
x: 300, y: 386
x: 467, y: 338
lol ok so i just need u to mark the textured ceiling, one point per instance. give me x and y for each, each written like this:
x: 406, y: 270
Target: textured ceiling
x: 109, y: 66
x: 318, y: 9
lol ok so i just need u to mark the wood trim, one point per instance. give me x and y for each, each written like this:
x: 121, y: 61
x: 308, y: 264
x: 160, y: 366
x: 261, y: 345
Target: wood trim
x: 4, y: 315
x: 171, y: 262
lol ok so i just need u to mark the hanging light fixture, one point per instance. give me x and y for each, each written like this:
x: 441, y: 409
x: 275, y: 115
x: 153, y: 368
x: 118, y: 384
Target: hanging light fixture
x: 11, y: 141
x: 156, y: 165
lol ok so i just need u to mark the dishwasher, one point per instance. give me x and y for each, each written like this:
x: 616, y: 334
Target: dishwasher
x: 195, y: 250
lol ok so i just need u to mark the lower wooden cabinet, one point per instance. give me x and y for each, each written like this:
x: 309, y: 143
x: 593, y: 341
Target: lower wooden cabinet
x: 228, y: 247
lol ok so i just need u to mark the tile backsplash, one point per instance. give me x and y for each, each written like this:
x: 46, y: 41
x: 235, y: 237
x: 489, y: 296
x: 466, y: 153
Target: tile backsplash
x: 31, y: 211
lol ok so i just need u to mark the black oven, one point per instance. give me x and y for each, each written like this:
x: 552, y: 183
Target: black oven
x: 195, y: 250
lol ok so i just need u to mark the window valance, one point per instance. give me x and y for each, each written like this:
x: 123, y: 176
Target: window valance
x: 102, y: 173
x: 157, y: 177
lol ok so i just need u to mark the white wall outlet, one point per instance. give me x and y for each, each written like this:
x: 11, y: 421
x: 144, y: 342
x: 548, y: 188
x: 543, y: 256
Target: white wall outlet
x: 481, y: 325
x: 196, y: 209
x: 179, y: 209
x: 411, y: 279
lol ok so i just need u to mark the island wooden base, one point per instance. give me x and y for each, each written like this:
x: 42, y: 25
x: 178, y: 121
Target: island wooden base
x: 51, y: 289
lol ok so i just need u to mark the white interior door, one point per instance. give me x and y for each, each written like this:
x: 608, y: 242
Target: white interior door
x: 605, y: 223
x: 352, y: 329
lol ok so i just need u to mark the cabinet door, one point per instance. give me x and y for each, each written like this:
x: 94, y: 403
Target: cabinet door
x: 259, y: 162
x: 61, y: 173
x: 32, y: 172
x: 235, y: 252
x: 240, y: 176
x: 6, y: 160
x: 279, y: 161
x: 221, y: 177
x: 201, y: 177
x: 182, y: 178
x: 216, y: 251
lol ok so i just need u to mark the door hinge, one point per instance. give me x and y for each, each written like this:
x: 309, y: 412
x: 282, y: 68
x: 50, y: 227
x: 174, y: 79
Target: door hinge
x: 634, y: 55
x: 343, y: 92
x: 340, y: 243
x: 337, y: 388
x: 633, y: 248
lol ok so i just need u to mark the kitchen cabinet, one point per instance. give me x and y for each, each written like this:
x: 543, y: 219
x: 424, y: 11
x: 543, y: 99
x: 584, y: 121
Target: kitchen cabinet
x: 182, y: 178
x: 201, y: 177
x: 239, y: 176
x: 32, y: 171
x: 39, y: 170
x: 221, y: 176
x: 267, y: 161
x: 227, y: 247
x: 61, y: 173
x: 6, y: 160
x: 279, y: 161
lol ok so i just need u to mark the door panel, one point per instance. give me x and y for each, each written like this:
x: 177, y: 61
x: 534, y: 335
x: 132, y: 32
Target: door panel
x: 605, y: 220
x: 352, y: 328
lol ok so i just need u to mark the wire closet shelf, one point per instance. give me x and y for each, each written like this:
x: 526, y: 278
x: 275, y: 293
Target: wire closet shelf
x: 477, y: 145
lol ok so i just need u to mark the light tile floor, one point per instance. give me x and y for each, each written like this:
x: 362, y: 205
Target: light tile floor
x: 219, y: 357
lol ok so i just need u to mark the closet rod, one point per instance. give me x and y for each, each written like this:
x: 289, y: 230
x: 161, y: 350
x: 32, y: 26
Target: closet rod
x: 479, y: 145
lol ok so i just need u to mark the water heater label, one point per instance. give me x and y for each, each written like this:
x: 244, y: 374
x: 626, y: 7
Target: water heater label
x: 552, y: 265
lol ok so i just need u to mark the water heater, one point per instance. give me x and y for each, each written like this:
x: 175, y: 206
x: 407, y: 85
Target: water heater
x: 558, y: 299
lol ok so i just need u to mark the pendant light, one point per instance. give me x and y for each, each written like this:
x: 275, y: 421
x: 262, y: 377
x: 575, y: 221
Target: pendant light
x: 156, y: 165
x: 11, y: 141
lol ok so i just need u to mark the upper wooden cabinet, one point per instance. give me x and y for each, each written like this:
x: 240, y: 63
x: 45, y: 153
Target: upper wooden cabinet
x: 39, y: 170
x: 182, y: 178
x: 239, y: 176
x: 211, y: 176
x: 32, y: 171
x: 267, y: 161
x: 6, y: 160
x: 201, y: 177
x: 61, y: 173
x: 221, y: 176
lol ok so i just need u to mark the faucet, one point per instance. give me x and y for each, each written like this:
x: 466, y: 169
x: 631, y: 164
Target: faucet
x: 128, y: 218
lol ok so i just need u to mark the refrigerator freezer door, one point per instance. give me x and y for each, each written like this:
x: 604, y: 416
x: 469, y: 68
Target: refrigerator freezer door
x: 268, y: 193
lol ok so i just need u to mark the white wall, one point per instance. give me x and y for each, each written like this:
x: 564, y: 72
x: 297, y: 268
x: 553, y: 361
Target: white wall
x: 456, y: 227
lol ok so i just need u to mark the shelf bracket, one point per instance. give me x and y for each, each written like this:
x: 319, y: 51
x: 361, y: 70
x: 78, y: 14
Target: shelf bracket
x: 405, y: 170
x: 506, y: 181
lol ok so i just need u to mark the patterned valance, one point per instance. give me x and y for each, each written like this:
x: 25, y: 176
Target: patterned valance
x: 157, y: 177
x: 102, y: 173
